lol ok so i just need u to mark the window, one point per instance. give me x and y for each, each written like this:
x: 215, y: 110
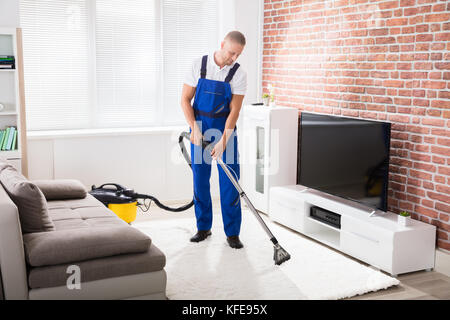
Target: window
x: 111, y: 63
x: 56, y: 63
x: 189, y: 29
x: 127, y: 62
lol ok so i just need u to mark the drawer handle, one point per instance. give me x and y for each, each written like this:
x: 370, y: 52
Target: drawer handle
x: 363, y: 236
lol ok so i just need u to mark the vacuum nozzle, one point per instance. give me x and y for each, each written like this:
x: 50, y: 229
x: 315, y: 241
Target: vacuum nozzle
x: 280, y: 255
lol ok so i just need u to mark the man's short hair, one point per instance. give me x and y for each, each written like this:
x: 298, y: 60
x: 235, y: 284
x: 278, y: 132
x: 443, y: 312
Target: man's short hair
x: 236, y: 36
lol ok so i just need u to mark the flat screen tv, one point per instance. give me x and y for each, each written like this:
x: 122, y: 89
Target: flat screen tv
x: 345, y: 157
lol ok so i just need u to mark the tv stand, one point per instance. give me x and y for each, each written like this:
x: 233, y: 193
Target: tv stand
x: 378, y: 240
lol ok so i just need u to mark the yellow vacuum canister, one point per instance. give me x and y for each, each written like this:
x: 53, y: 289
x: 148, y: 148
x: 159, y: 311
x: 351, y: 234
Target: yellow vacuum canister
x: 125, y: 211
x: 122, y: 201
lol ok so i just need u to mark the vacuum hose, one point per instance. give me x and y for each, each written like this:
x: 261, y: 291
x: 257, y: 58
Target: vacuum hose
x: 183, y: 135
x: 121, y: 194
x: 162, y: 206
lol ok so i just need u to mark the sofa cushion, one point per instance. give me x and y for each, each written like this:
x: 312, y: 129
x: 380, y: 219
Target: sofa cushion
x: 78, y: 244
x: 127, y: 264
x: 82, y: 213
x: 30, y: 201
x: 61, y: 189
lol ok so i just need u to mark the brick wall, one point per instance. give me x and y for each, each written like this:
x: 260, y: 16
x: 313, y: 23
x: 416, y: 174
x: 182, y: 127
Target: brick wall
x: 382, y: 60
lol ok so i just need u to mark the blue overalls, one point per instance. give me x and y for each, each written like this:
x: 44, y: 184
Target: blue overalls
x: 211, y: 109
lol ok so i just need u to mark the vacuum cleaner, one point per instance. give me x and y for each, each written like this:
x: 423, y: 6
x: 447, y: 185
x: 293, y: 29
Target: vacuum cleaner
x: 124, y: 201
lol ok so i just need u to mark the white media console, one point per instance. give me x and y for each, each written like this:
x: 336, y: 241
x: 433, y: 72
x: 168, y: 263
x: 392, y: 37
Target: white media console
x: 377, y: 239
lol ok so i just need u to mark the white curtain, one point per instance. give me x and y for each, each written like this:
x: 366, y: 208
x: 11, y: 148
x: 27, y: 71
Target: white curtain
x: 111, y: 63
x: 56, y: 63
x: 190, y: 30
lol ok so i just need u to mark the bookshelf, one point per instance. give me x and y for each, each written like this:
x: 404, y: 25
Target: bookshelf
x: 12, y: 114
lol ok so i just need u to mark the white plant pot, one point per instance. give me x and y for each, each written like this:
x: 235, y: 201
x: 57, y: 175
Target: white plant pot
x: 404, y: 221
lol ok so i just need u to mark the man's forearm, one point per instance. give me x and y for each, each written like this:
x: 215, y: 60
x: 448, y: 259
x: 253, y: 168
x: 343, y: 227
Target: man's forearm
x: 189, y: 114
x: 230, y: 124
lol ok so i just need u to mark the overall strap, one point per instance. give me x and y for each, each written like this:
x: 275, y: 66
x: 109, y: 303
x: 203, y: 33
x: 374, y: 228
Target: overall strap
x: 232, y: 72
x: 203, y: 69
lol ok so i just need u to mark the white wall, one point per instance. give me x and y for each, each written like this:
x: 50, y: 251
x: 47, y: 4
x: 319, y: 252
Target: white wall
x: 9, y: 13
x: 249, y: 20
x: 246, y: 16
x: 147, y: 161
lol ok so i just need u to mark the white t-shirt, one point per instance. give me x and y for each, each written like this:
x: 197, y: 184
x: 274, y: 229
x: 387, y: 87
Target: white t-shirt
x: 213, y: 72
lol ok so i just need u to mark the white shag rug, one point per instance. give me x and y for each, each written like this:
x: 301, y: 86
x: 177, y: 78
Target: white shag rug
x: 211, y: 270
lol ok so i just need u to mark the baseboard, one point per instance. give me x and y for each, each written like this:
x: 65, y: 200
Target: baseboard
x: 442, y: 264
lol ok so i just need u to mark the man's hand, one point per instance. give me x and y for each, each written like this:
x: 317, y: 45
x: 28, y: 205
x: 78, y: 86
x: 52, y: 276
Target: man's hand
x: 218, y: 149
x: 196, y: 136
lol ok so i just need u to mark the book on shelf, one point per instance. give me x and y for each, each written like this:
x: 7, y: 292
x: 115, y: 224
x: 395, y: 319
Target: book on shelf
x: 7, y: 58
x: 7, y: 62
x: 8, y: 139
x: 2, y: 137
x: 14, y: 143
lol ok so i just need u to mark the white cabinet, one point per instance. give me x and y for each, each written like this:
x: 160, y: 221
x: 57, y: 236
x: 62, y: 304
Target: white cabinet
x: 11, y: 98
x: 367, y: 242
x: 378, y: 240
x: 268, y: 148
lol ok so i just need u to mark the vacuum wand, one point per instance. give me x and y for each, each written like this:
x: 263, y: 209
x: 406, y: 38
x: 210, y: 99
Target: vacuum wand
x: 280, y: 255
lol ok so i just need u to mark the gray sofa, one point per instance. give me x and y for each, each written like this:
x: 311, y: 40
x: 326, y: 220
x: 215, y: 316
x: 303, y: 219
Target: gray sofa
x: 74, y: 248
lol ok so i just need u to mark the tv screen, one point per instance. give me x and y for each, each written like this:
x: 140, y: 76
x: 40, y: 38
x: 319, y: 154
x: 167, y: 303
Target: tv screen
x: 345, y: 157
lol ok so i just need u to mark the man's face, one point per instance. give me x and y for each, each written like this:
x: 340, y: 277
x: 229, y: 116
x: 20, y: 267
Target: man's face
x: 231, y: 50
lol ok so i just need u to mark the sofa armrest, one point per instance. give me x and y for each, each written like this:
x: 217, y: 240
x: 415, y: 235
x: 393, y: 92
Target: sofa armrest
x: 12, y: 258
x: 61, y: 189
x: 74, y: 245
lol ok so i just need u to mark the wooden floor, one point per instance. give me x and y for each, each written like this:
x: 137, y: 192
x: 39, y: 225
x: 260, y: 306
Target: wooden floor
x: 422, y: 285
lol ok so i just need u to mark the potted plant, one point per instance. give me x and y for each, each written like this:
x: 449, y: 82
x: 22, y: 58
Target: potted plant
x: 404, y: 218
x: 272, y: 100
x: 265, y: 98
x: 271, y: 95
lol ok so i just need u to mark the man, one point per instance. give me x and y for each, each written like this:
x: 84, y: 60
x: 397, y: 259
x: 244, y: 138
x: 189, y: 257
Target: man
x: 219, y: 85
